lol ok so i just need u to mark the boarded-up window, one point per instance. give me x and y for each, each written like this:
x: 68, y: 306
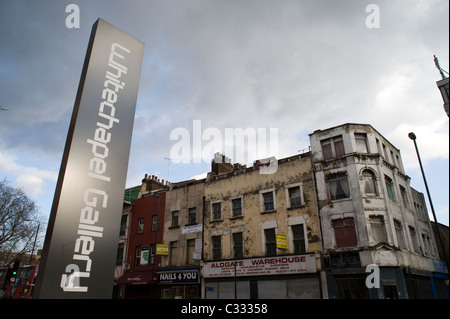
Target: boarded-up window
x: 344, y: 232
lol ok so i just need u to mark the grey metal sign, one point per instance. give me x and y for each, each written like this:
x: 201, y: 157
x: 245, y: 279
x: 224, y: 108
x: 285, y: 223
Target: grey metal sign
x: 81, y: 243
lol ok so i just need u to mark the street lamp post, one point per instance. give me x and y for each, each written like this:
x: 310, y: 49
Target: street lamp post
x: 412, y: 136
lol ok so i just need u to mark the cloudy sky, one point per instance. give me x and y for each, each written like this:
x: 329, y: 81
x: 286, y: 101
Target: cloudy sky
x: 296, y: 66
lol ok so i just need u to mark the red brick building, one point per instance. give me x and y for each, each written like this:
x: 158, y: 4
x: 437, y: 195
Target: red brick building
x: 146, y: 231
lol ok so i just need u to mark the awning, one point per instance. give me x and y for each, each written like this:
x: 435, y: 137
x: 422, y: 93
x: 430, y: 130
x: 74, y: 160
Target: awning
x: 136, y: 277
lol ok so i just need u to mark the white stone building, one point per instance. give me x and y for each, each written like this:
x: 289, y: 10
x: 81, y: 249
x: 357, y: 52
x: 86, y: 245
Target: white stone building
x: 370, y: 215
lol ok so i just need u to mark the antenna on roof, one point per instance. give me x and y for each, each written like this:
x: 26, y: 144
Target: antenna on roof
x: 168, y: 165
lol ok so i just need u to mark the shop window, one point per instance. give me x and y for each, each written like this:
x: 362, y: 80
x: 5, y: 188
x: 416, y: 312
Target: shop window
x: 217, y: 247
x: 271, y: 243
x: 338, y: 186
x: 299, y: 239
x: 344, y: 232
x: 351, y: 287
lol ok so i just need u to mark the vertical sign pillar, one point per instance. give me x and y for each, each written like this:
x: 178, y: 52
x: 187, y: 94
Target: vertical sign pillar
x: 80, y: 247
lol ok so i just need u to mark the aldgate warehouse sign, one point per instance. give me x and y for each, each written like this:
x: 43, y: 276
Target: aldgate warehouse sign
x: 80, y: 246
x: 280, y: 265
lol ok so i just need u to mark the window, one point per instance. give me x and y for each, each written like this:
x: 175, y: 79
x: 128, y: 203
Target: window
x: 421, y: 214
x: 237, y: 245
x: 175, y: 216
x: 140, y: 225
x: 425, y: 244
x: 155, y: 222
x: 344, y: 232
x: 144, y: 256
x: 268, y: 202
x: 123, y: 225
x: 338, y: 186
x: 137, y: 262
x: 152, y: 254
x: 378, y: 146
x: 393, y: 158
x: 271, y: 243
x: 119, y: 257
x: 173, y: 253
x: 190, y: 251
x: 217, y: 247
x: 399, y: 233
x: 378, y: 229
x: 361, y: 143
x: 192, y: 218
x: 370, y: 182
x: 299, y: 239
x: 390, y: 188
x: 404, y: 197
x: 217, y: 211
x: 333, y: 147
x: 385, y: 153
x: 414, y: 239
x: 237, y: 207
x: 295, y: 196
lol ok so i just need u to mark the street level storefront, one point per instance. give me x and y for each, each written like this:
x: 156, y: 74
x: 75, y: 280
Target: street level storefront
x: 179, y: 283
x: 139, y: 284
x: 279, y: 277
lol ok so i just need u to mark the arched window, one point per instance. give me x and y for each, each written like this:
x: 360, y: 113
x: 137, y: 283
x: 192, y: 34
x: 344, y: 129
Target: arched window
x: 370, y: 183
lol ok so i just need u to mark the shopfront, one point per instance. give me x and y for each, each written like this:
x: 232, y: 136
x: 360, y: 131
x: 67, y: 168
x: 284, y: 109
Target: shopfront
x: 179, y: 283
x: 280, y: 277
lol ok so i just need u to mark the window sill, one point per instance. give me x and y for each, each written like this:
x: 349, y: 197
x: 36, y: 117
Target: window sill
x: 339, y: 200
x: 237, y: 217
x: 296, y: 207
x: 269, y: 211
x: 174, y: 227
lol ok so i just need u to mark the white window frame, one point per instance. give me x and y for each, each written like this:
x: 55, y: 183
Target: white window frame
x: 212, y: 210
x: 241, y: 197
x: 261, y: 200
x: 288, y: 200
